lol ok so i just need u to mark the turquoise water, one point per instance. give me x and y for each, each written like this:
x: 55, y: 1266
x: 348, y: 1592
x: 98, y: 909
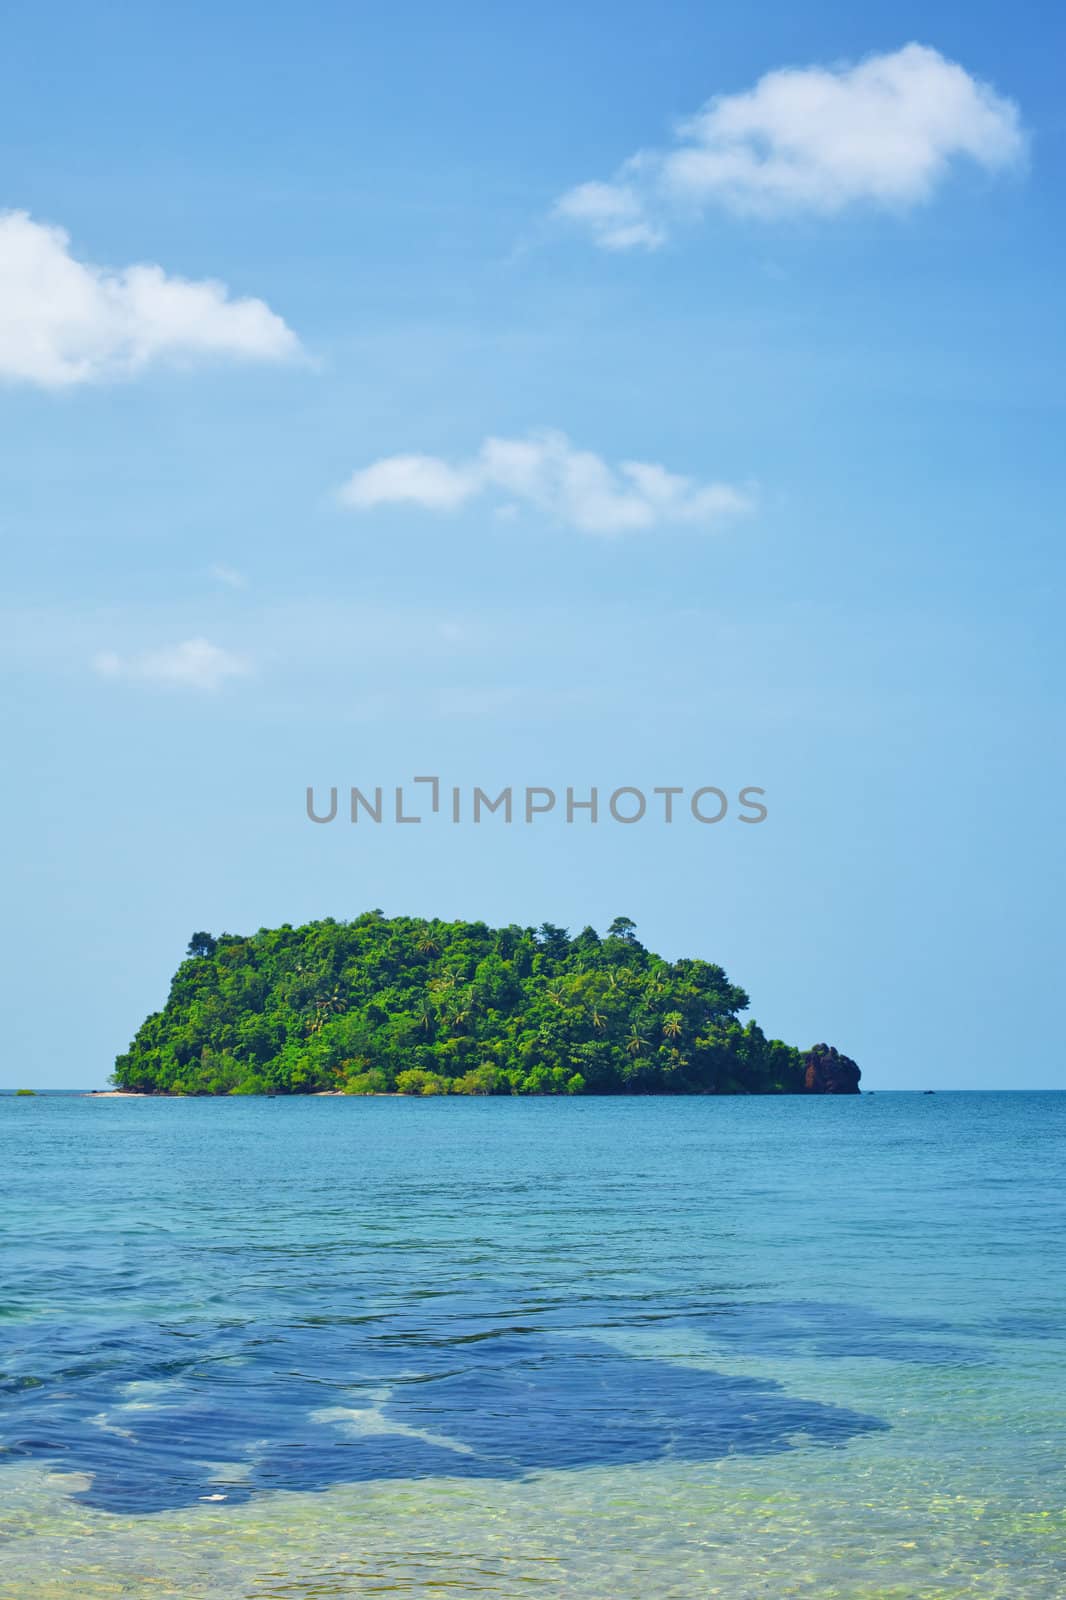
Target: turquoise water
x: 597, y: 1348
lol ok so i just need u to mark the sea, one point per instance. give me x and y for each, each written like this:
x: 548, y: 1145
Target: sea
x: 666, y: 1348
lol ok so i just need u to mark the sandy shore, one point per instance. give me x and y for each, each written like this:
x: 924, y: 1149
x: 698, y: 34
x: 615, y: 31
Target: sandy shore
x: 315, y: 1094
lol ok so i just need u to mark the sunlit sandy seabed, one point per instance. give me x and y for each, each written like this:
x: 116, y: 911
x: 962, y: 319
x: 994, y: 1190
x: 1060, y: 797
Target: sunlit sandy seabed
x: 781, y: 1350
x: 788, y: 1526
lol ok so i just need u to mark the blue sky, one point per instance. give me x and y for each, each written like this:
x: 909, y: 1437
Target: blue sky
x: 252, y: 548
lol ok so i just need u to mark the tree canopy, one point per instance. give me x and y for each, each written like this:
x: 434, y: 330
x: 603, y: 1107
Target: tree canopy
x: 380, y: 1005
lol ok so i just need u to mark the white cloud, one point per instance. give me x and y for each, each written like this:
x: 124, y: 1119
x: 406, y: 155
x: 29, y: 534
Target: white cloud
x: 614, y: 213
x: 65, y: 322
x: 816, y: 139
x: 422, y: 480
x: 228, y: 575
x: 193, y: 664
x: 545, y: 471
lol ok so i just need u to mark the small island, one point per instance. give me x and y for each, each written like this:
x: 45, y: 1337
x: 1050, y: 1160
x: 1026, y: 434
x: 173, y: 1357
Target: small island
x: 400, y: 1005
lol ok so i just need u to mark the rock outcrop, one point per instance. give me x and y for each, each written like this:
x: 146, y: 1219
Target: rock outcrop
x: 826, y: 1071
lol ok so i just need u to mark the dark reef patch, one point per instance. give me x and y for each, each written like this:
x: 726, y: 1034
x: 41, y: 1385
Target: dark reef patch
x: 241, y: 1409
x: 815, y: 1328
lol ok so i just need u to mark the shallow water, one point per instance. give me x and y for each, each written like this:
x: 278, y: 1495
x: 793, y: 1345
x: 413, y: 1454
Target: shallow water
x: 597, y: 1348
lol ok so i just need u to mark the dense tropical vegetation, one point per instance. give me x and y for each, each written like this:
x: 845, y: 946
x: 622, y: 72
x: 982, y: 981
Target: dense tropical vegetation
x: 383, y: 1005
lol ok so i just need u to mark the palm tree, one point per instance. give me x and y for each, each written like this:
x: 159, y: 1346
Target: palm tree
x: 323, y: 1007
x: 672, y: 1025
x: 462, y: 1007
x: 634, y: 1043
x: 598, y: 1018
x: 424, y: 1016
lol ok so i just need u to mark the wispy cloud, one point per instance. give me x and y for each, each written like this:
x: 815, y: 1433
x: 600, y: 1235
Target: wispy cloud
x: 617, y: 215
x: 192, y: 664
x: 229, y: 576
x: 65, y: 322
x: 545, y: 471
x: 809, y: 140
